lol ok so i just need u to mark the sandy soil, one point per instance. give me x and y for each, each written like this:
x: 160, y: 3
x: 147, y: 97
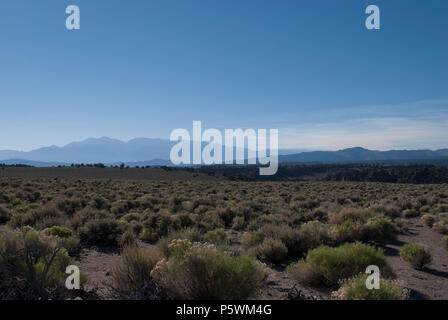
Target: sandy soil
x: 432, y: 281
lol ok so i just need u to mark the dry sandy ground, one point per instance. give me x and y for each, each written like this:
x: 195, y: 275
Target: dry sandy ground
x: 429, y: 283
x: 432, y: 281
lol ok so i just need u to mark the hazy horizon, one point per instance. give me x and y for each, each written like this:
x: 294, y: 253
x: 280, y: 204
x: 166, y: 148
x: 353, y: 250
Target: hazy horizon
x: 298, y: 150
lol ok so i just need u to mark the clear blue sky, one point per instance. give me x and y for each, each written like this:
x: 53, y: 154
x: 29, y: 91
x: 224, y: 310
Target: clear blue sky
x: 141, y: 68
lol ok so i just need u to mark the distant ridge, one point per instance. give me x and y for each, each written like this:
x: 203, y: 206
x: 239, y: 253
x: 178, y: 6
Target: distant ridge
x: 155, y: 152
x: 95, y: 150
x: 359, y: 154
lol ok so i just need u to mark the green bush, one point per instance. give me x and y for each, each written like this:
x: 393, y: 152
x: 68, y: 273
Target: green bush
x: 5, y: 215
x: 326, y: 265
x: 309, y: 236
x: 271, y: 250
x: 441, y: 208
x: 252, y: 239
x: 72, y: 245
x: 297, y: 240
x: 379, y: 228
x: 355, y: 289
x: 148, y: 235
x: 131, y: 217
x: 410, y: 213
x: 131, y: 275
x: 185, y: 220
x: 100, y: 232
x: 416, y: 254
x: 217, y: 236
x: 238, y: 223
x: 45, y: 216
x: 202, y: 272
x: 348, y: 231
x: 61, y: 232
x: 429, y: 220
x: 355, y: 215
x: 18, y: 220
x: 128, y: 238
x: 191, y: 234
x: 440, y: 227
x: 32, y: 265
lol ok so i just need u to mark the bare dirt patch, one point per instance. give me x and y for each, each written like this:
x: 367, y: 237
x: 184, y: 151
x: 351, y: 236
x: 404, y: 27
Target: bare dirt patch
x: 432, y: 281
x: 97, y: 263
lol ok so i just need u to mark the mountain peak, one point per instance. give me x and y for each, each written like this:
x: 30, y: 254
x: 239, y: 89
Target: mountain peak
x: 355, y: 149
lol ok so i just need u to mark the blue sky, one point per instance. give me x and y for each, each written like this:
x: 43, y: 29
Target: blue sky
x: 141, y: 68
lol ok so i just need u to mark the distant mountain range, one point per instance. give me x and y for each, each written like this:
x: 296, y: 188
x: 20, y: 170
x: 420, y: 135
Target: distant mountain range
x: 95, y: 150
x: 155, y: 152
x: 359, y: 154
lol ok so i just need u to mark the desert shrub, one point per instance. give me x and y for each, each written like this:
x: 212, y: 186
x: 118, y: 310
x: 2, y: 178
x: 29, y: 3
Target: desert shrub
x: 5, y: 215
x: 202, y: 272
x: 210, y: 220
x: 100, y: 232
x: 411, y: 213
x: 17, y: 220
x: 191, y: 234
x: 148, y: 235
x: 326, y: 265
x: 131, y: 217
x: 72, y: 245
x: 379, y: 228
x: 441, y: 208
x: 185, y: 220
x: 271, y: 250
x: 92, y: 214
x: 45, y: 213
x: 69, y: 207
x: 440, y: 227
x: 310, y: 235
x: 356, y: 216
x: 136, y: 227
x: 100, y: 203
x: 128, y: 238
x: 429, y: 220
x: 131, y: 275
x: 425, y: 208
x: 416, y: 255
x: 217, y: 236
x: 348, y: 231
x: 297, y: 240
x: 252, y: 239
x: 32, y: 265
x: 319, y: 214
x: 166, y: 224
x: 355, y: 289
x: 238, y: 223
x: 226, y: 215
x: 391, y: 211
x: 121, y: 207
x: 61, y: 232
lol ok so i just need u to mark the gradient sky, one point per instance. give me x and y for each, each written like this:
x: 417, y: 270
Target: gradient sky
x: 141, y: 68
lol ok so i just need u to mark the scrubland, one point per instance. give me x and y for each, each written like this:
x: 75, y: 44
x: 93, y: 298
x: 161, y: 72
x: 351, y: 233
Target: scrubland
x: 216, y: 239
